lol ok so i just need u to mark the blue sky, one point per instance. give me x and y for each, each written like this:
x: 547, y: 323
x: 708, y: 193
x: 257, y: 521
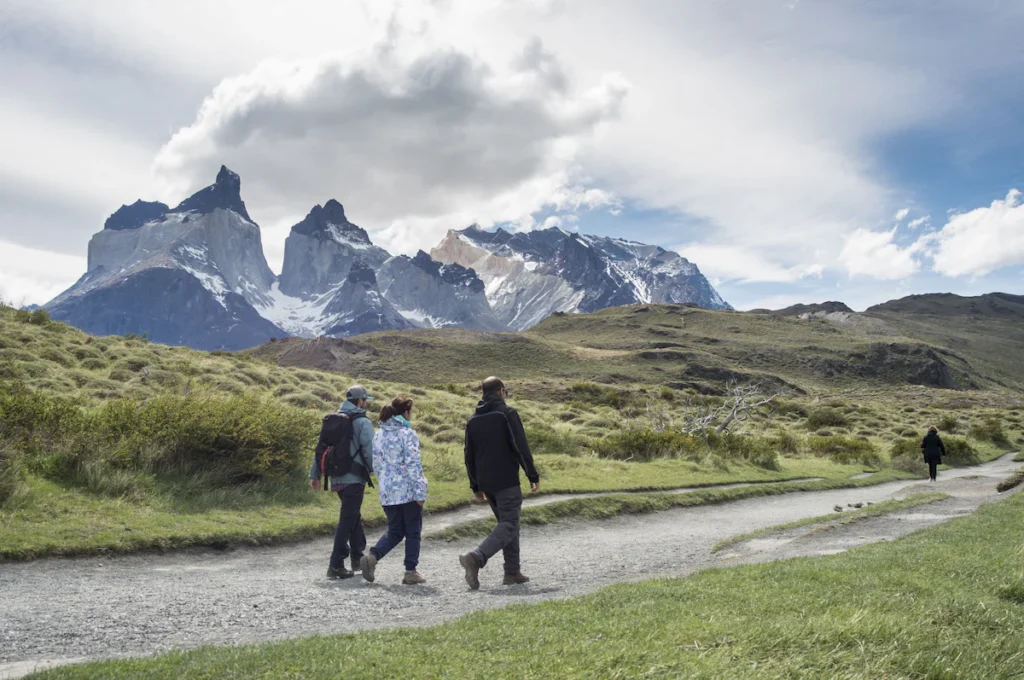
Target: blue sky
x: 792, y: 149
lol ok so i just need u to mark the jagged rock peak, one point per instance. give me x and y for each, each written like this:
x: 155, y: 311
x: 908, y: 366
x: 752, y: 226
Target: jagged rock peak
x: 135, y: 215
x: 329, y: 220
x: 224, y: 194
x: 363, y: 274
x: 455, y: 274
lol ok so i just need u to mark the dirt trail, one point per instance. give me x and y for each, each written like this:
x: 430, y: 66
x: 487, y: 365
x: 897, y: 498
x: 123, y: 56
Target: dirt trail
x: 54, y: 611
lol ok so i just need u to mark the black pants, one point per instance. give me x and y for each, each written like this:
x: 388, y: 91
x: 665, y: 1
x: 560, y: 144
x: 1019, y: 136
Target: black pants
x: 350, y: 526
x: 507, y: 506
x: 932, y: 470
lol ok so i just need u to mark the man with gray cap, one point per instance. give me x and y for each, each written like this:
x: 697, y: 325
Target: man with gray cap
x: 349, y: 538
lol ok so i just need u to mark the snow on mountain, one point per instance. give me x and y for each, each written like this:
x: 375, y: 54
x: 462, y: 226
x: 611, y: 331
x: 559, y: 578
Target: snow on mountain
x: 530, y: 275
x: 196, y: 275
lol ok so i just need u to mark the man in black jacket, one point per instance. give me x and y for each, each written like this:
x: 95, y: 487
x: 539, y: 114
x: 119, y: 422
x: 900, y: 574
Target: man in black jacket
x: 496, y: 448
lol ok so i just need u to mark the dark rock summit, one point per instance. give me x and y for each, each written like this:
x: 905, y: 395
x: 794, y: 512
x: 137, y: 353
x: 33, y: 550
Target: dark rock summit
x: 321, y: 219
x: 224, y: 194
x: 135, y: 215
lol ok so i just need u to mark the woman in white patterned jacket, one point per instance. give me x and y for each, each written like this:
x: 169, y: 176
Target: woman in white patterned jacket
x: 403, y: 489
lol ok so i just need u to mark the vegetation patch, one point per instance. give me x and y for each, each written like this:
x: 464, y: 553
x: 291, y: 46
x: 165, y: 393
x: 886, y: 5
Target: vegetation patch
x: 1014, y: 480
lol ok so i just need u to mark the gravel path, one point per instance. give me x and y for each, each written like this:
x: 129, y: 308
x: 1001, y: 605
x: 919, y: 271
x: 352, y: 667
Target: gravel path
x: 60, y: 611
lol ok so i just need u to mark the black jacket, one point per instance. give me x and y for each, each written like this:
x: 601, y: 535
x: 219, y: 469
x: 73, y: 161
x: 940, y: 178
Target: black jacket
x: 496, y: 447
x: 933, y: 448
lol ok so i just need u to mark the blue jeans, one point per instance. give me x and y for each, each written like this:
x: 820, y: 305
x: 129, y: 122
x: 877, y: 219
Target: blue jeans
x: 404, y: 522
x: 350, y: 525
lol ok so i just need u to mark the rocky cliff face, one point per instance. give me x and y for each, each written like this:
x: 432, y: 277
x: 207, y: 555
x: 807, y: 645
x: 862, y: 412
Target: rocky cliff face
x: 529, y: 276
x: 190, y: 275
x: 196, y: 275
x: 435, y: 295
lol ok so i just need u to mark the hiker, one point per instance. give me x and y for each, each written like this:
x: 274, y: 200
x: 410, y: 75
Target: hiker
x: 403, y: 489
x: 349, y: 538
x: 934, y: 450
x: 496, y: 448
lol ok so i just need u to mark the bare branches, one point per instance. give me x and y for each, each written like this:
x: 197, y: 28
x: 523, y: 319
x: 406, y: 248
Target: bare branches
x: 742, y: 403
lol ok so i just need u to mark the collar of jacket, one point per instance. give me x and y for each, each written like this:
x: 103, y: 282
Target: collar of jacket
x: 350, y: 409
x: 396, y: 421
x: 489, y: 403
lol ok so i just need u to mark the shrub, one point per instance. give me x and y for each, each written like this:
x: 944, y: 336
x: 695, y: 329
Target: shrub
x: 787, y: 442
x: 905, y: 448
x: 948, y: 423
x: 93, y: 364
x: 304, y: 400
x: 57, y: 356
x: 915, y: 466
x: 754, y: 450
x: 826, y: 417
x: 990, y: 430
x: 599, y: 395
x: 551, y: 440
x: 960, y: 452
x: 844, y: 450
x: 10, y: 473
x: 667, y: 393
x: 39, y: 317
x: 645, y: 445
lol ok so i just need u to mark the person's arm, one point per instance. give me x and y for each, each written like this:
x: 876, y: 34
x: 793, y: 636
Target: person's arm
x: 364, y: 438
x: 314, y: 469
x: 942, y: 447
x: 470, y: 459
x: 415, y: 463
x: 515, y: 424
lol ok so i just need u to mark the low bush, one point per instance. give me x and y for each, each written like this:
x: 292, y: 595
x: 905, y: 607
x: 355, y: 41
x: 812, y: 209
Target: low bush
x: 644, y: 444
x: 825, y: 417
x: 905, y: 448
x: 948, y: 423
x: 10, y: 473
x: 600, y: 395
x: 553, y: 440
x: 787, y: 442
x: 959, y: 451
x: 990, y: 430
x: 57, y: 356
x: 93, y: 364
x: 844, y: 450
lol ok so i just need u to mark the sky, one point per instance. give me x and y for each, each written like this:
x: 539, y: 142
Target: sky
x: 795, y: 150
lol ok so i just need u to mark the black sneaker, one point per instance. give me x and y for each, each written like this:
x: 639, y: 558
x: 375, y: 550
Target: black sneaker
x: 339, y: 572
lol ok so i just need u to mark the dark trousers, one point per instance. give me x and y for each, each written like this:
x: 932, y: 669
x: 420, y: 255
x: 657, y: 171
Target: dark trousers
x: 932, y: 469
x: 350, y: 526
x: 507, y: 506
x: 404, y: 522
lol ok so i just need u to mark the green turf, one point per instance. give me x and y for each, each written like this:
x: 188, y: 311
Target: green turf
x: 945, y: 602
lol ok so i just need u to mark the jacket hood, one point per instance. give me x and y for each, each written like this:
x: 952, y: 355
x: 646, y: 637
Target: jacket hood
x: 350, y: 409
x: 489, y: 403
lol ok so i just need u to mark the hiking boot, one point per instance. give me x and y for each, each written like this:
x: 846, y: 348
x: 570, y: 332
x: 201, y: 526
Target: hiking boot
x: 469, y: 563
x: 339, y: 572
x: 368, y: 564
x: 357, y: 563
x: 413, y: 578
x: 515, y: 579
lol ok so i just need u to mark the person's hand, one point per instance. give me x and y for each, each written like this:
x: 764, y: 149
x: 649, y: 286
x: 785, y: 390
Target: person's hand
x: 479, y: 497
x: 314, y: 484
x: 534, y: 487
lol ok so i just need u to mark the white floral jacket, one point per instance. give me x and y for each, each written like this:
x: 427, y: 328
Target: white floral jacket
x: 396, y: 460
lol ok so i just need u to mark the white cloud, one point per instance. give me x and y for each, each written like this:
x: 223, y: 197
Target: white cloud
x: 901, y: 214
x: 919, y: 222
x: 875, y: 254
x: 980, y: 241
x: 410, y: 135
x: 32, y: 276
x: 730, y: 263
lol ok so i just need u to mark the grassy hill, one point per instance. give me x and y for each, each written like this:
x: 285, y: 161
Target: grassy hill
x: 119, y: 444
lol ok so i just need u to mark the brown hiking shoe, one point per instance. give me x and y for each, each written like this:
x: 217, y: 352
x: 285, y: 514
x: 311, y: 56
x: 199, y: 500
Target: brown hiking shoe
x: 515, y: 579
x: 469, y: 563
x: 367, y: 565
x: 413, y: 578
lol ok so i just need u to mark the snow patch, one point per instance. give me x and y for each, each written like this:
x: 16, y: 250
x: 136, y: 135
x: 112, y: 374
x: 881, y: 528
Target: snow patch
x: 304, y: 318
x: 212, y: 282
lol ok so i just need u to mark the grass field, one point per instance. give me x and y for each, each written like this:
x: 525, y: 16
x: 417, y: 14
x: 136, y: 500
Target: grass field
x: 83, y: 471
x: 947, y: 602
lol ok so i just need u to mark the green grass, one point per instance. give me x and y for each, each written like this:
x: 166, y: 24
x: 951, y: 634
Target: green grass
x: 605, y: 507
x: 160, y: 513
x: 848, y: 517
x: 1019, y: 458
x: 941, y: 603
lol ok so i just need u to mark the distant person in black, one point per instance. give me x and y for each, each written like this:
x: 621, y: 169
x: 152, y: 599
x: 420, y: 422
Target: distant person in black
x: 934, y: 450
x: 496, y: 448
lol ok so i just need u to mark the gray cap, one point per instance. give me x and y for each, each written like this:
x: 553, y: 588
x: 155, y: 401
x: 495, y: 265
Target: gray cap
x: 357, y: 392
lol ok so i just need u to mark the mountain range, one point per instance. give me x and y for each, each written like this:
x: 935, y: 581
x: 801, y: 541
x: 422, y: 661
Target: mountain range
x: 196, y: 275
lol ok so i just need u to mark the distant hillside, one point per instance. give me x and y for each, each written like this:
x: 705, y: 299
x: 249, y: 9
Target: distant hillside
x: 991, y: 305
x: 690, y: 348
